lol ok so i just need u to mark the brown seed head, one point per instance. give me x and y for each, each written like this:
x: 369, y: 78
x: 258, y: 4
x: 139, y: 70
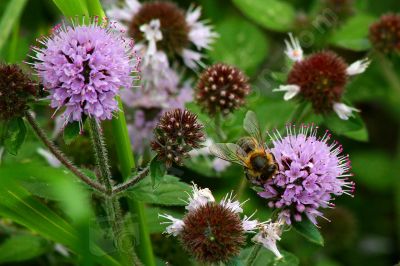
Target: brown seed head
x: 177, y: 133
x: 16, y: 90
x: 322, y: 78
x: 212, y: 233
x: 222, y: 88
x: 385, y: 34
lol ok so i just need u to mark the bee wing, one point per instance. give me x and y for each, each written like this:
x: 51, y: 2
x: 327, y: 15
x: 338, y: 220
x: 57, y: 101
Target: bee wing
x: 228, y: 152
x: 251, y: 125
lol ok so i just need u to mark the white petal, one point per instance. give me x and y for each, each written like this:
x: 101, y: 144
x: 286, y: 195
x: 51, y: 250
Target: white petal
x: 358, y: 67
x: 176, y: 225
x: 193, y: 15
x: 133, y: 5
x: 249, y: 225
x: 199, y: 198
x: 293, y: 49
x: 229, y: 203
x: 191, y: 58
x: 344, y: 111
x: 291, y: 91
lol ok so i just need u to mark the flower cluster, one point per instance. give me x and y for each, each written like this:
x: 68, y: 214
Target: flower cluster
x: 163, y: 31
x: 83, y: 68
x: 161, y: 25
x: 312, y: 170
x: 222, y: 88
x: 177, y: 133
x: 214, y: 232
x: 385, y: 34
x: 320, y: 78
x: 16, y: 90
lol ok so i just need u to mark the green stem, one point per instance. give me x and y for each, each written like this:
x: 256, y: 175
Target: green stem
x: 242, y: 186
x: 218, y: 128
x: 388, y: 71
x: 60, y: 156
x: 127, y: 163
x: 131, y: 182
x: 112, y: 206
x: 253, y: 255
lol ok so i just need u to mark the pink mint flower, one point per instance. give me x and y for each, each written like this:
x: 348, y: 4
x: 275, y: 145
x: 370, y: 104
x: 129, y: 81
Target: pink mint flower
x: 83, y: 68
x: 312, y: 171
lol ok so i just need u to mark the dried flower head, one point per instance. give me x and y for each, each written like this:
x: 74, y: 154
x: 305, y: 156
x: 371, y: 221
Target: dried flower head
x: 83, y: 67
x: 312, y: 170
x: 222, y: 88
x: 177, y: 133
x: 16, y: 90
x: 320, y: 78
x: 174, y: 29
x: 211, y: 232
x: 385, y: 34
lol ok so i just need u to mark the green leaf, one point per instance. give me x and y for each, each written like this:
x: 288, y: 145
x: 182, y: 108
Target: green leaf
x: 72, y: 8
x: 353, y: 35
x: 71, y: 131
x: 170, y: 191
x: 307, y: 229
x: 272, y: 14
x: 22, y: 247
x: 267, y: 258
x: 157, y: 170
x: 10, y: 16
x: 353, y: 128
x: 241, y: 44
x: 95, y: 8
x: 15, y: 135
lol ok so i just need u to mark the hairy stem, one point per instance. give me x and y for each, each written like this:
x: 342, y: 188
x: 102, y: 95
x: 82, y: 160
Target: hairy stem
x: 131, y: 182
x: 100, y: 152
x: 113, y: 208
x: 60, y: 156
x: 253, y: 255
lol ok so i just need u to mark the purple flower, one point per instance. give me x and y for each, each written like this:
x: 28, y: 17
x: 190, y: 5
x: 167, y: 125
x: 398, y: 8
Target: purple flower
x: 312, y: 170
x: 83, y: 67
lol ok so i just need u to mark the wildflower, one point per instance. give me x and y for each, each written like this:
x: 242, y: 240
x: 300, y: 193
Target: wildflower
x: 222, y: 88
x: 385, y: 34
x: 312, y: 170
x: 83, y: 68
x: 176, y: 31
x: 176, y: 134
x: 269, y: 234
x: 211, y: 232
x: 16, y: 91
x: 320, y: 78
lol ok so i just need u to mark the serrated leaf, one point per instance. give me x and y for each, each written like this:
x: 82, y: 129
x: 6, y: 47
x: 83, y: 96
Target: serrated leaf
x: 353, y: 34
x: 271, y: 14
x: 307, y: 229
x: 157, y: 170
x: 241, y: 44
x: 169, y: 191
x: 22, y: 247
x: 15, y: 135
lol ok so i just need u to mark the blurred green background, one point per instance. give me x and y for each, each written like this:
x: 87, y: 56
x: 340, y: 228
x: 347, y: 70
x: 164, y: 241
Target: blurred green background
x: 365, y: 230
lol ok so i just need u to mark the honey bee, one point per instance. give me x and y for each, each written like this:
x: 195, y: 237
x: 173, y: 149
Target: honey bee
x: 259, y: 164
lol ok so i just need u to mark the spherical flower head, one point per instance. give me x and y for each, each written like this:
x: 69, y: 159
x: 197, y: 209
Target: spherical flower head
x: 173, y: 26
x: 212, y: 233
x: 83, y: 67
x: 177, y: 133
x: 322, y: 78
x: 16, y: 90
x: 385, y: 34
x: 222, y: 89
x: 312, y: 171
